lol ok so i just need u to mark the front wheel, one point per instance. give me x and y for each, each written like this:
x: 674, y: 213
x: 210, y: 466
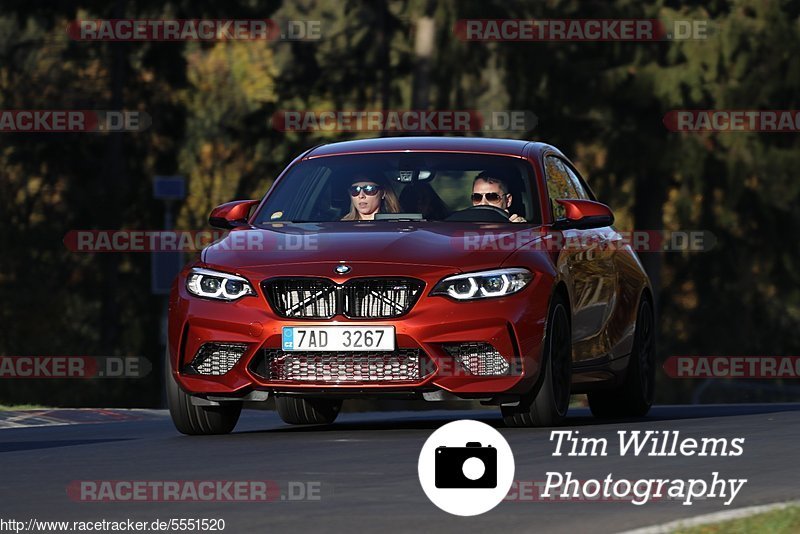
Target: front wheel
x: 635, y: 397
x: 548, y: 407
x: 198, y: 420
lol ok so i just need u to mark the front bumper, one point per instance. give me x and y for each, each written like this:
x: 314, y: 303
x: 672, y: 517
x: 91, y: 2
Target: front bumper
x: 513, y: 325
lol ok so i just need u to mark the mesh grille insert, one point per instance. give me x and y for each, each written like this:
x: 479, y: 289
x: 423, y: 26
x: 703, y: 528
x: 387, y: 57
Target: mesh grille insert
x: 403, y: 365
x: 479, y: 358
x: 216, y: 358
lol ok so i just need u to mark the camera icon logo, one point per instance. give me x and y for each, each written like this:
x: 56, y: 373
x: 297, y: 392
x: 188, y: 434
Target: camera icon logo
x: 466, y: 467
x: 472, y: 466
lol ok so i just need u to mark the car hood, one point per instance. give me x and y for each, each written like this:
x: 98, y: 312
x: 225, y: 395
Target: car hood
x: 454, y: 245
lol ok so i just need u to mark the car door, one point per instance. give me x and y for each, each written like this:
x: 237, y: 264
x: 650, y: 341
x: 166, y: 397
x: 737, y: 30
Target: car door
x: 586, y: 261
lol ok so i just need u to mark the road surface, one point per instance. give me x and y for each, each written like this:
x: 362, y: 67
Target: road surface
x: 365, y: 469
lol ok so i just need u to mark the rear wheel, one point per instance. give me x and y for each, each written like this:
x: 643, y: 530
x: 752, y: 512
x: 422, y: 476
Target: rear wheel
x: 635, y: 397
x: 198, y: 420
x: 548, y: 407
x: 307, y: 411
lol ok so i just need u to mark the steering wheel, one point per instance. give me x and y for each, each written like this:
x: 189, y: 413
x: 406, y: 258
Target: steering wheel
x: 480, y: 213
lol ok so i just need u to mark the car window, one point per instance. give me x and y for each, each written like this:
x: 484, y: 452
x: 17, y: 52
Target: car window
x: 559, y: 185
x: 576, y: 182
x: 434, y: 185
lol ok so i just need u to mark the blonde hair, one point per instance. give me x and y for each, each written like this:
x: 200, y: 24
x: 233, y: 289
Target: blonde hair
x: 389, y: 202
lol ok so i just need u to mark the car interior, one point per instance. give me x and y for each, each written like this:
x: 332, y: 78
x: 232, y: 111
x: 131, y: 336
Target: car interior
x: 438, y: 191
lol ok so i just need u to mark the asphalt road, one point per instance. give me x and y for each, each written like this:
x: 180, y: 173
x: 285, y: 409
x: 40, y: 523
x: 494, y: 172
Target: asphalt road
x: 366, y: 466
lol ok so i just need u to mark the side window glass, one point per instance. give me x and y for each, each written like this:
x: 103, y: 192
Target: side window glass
x: 559, y: 185
x: 576, y: 182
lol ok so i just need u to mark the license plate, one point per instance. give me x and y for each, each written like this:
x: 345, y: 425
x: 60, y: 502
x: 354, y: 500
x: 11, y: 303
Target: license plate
x: 339, y: 338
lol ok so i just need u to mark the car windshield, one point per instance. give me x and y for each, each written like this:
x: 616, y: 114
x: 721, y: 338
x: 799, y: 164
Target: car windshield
x: 403, y: 186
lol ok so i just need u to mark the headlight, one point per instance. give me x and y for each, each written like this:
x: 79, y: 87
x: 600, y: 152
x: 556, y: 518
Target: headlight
x: 217, y: 285
x: 484, y: 284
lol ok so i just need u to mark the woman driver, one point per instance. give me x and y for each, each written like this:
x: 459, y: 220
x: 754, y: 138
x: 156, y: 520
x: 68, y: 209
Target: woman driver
x: 369, y: 196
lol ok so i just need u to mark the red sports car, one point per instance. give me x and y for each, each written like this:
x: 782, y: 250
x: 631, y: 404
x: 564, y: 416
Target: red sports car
x: 424, y: 268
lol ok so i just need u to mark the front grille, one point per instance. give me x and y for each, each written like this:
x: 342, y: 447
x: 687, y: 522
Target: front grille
x: 380, y: 297
x: 360, y: 298
x: 216, y: 358
x: 402, y: 365
x: 310, y: 298
x: 479, y: 359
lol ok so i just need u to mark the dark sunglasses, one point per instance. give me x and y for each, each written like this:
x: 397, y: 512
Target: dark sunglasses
x: 369, y: 190
x: 490, y: 197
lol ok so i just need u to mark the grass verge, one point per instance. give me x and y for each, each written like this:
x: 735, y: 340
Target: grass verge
x: 782, y: 521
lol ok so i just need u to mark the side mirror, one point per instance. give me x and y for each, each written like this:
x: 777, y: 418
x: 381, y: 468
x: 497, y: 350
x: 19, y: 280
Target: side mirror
x: 231, y: 214
x: 584, y: 214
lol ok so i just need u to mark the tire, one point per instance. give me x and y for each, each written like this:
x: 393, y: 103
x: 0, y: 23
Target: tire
x: 635, y: 396
x: 549, y: 406
x: 198, y: 420
x: 307, y: 411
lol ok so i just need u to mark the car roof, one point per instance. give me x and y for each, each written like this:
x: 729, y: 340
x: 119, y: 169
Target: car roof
x: 478, y: 145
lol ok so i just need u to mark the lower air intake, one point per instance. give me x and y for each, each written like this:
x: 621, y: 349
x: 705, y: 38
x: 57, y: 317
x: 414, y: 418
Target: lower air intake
x: 408, y: 365
x: 479, y: 359
x: 216, y: 359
